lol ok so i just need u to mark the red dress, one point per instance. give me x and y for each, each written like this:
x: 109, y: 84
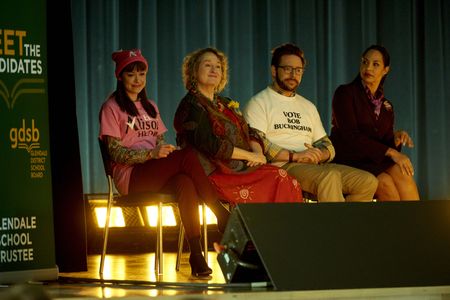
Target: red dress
x: 214, y: 128
x: 265, y: 184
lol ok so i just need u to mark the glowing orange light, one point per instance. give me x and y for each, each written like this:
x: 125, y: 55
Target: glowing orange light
x: 117, y: 218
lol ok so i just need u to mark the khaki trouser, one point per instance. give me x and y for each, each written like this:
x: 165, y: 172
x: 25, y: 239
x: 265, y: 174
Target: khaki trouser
x: 331, y: 182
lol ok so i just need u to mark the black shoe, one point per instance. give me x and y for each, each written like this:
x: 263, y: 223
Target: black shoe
x: 199, y: 266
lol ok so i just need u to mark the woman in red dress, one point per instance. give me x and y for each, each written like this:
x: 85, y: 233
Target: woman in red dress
x: 231, y: 152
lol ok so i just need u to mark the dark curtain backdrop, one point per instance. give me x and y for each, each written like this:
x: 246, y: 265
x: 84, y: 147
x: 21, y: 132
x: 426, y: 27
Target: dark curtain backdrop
x: 333, y: 35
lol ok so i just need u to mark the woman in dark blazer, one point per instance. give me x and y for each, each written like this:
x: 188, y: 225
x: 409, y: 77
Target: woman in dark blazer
x: 363, y: 129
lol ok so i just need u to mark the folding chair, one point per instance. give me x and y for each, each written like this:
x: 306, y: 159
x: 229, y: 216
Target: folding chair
x: 142, y: 200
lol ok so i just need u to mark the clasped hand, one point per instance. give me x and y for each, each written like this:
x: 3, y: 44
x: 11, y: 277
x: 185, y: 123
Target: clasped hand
x: 401, y: 137
x: 310, y: 155
x: 163, y: 150
x: 404, y: 163
x: 256, y: 159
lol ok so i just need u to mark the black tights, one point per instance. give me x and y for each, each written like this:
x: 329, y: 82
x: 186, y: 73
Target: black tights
x: 182, y: 174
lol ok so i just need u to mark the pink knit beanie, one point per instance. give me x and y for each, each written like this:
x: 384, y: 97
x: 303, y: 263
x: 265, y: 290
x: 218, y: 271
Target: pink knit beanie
x: 125, y: 57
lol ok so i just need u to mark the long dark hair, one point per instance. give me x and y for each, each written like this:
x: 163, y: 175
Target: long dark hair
x: 122, y: 99
x: 384, y: 54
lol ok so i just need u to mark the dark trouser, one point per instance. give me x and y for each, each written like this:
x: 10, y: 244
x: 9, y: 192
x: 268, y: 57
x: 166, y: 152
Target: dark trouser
x: 182, y: 174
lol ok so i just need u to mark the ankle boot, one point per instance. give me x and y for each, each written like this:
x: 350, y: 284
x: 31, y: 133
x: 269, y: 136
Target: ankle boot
x: 199, y: 267
x: 198, y: 264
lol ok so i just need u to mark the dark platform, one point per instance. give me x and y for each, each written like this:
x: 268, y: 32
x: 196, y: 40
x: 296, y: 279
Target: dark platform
x: 344, y: 245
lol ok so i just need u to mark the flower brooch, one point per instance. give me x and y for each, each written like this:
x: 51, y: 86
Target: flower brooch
x: 233, y: 104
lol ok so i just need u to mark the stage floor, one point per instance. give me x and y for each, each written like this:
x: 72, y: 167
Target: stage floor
x: 132, y: 276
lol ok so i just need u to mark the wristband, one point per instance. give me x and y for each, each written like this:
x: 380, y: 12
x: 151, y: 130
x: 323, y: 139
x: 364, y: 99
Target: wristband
x: 291, y: 156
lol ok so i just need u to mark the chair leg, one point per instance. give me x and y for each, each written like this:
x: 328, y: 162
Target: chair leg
x: 105, y: 243
x: 180, y: 246
x: 205, y: 233
x: 159, y: 262
x: 143, y: 216
x: 106, y: 229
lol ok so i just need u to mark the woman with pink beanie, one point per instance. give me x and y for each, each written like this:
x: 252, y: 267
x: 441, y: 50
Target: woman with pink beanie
x: 132, y: 128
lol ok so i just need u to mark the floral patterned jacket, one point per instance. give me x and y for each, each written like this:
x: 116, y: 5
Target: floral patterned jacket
x: 214, y: 128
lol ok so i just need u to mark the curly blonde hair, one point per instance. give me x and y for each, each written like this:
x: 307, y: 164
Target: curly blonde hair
x: 192, y: 61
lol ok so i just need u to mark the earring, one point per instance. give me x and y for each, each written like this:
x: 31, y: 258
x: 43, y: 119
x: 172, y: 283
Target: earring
x: 194, y: 84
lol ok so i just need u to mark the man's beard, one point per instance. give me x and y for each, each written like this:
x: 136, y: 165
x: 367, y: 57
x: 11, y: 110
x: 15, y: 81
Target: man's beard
x: 284, y: 87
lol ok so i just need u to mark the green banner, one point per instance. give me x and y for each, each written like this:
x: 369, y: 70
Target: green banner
x: 27, y: 246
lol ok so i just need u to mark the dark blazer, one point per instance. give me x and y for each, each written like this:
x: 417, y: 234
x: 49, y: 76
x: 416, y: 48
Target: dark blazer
x: 359, y: 137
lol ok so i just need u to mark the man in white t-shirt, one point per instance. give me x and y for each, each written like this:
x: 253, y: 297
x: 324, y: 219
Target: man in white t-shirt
x: 295, y: 137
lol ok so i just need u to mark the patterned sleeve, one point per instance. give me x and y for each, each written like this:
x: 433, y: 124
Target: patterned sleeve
x: 255, y: 135
x: 160, y: 140
x: 124, y: 155
x: 325, y: 143
x: 270, y: 149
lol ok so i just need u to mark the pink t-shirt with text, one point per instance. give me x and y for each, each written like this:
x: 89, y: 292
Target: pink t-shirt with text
x: 135, y: 132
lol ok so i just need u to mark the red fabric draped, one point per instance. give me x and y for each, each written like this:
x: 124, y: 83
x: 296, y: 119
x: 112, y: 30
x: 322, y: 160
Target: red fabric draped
x: 265, y: 184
